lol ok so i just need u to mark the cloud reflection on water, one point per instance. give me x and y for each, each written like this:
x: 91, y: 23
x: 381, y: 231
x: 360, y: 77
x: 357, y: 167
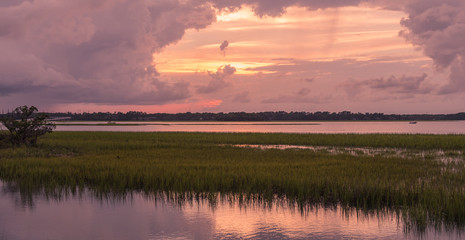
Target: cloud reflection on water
x: 136, y: 216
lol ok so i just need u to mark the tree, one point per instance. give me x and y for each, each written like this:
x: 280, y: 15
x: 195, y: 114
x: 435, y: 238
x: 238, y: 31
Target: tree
x: 3, y: 138
x: 25, y: 125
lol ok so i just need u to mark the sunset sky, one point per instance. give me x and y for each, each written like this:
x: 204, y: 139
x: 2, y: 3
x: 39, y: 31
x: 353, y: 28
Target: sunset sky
x: 237, y: 55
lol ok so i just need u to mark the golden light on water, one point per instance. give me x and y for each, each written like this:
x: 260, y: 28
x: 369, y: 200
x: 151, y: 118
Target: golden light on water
x: 288, y: 222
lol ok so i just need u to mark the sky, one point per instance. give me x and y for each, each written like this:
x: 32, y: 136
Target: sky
x: 233, y: 55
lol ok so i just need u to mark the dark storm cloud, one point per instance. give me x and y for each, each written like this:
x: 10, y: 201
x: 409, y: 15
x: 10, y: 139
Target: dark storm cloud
x: 9, y: 3
x: 100, y: 50
x: 7, y: 89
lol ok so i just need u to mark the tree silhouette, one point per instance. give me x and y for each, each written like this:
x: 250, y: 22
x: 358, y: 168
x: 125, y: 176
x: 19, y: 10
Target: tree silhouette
x: 25, y: 125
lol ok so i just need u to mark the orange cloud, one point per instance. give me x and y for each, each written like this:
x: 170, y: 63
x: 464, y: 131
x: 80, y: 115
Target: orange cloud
x: 211, y: 103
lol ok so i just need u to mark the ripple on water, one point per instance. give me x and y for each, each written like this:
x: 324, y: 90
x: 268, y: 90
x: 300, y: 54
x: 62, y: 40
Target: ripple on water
x: 140, y: 216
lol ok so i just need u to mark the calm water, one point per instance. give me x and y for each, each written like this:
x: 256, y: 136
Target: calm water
x: 142, y: 217
x: 23, y: 216
x: 427, y: 127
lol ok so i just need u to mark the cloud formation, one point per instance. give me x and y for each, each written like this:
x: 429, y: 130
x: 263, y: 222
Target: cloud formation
x: 405, y: 85
x: 218, y: 80
x: 93, y: 51
x: 243, y: 97
x: 224, y: 45
x: 438, y: 27
x: 88, y: 51
x: 275, y: 8
x: 301, y: 96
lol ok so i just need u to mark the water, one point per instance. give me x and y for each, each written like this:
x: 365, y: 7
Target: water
x: 427, y: 127
x: 447, y: 156
x: 137, y: 216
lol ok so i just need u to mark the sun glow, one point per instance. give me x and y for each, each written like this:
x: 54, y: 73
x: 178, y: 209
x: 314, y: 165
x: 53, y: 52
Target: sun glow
x: 227, y: 16
x: 255, y: 42
x: 204, y: 66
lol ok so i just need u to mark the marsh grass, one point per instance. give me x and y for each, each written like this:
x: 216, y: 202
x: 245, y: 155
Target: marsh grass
x: 425, y: 191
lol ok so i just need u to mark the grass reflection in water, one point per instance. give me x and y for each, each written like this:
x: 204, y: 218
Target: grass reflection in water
x: 171, y: 216
x: 422, y: 190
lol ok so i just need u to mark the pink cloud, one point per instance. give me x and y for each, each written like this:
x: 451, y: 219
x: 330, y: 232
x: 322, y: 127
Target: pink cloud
x: 101, y: 52
x: 438, y: 27
x: 90, y: 51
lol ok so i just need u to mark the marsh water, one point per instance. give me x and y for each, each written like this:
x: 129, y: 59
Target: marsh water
x: 85, y: 215
x: 422, y: 127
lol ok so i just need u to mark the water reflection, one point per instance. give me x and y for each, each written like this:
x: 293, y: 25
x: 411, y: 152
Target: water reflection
x: 87, y: 215
x: 426, y: 127
x: 446, y: 156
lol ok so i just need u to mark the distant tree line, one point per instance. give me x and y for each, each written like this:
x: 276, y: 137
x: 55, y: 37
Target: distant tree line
x: 255, y: 116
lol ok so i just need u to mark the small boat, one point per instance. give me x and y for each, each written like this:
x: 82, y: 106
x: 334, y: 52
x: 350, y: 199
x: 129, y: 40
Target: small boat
x: 412, y: 122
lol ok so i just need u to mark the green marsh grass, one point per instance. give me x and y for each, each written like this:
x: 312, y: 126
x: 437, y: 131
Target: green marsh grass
x: 424, y: 190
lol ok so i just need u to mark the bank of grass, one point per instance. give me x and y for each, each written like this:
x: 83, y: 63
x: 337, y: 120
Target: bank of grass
x: 426, y: 191
x: 409, y: 141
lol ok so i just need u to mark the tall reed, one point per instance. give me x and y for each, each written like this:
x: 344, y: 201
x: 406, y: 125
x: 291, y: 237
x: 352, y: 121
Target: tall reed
x: 425, y: 190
